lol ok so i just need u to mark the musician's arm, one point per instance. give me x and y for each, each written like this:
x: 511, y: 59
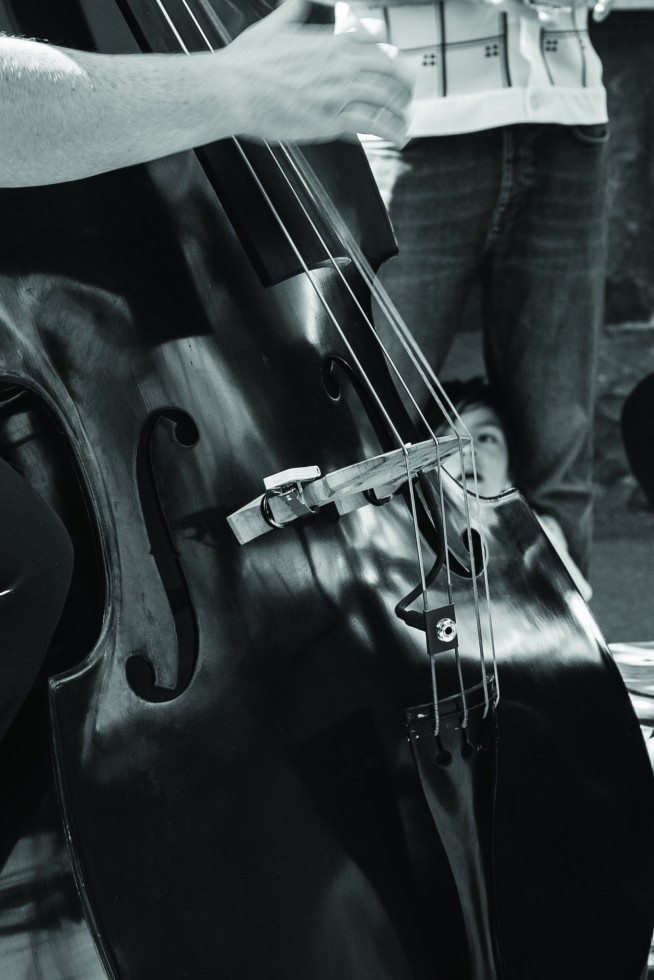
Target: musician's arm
x: 70, y: 114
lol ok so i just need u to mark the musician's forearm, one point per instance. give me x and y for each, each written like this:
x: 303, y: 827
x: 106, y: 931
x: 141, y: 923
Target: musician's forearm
x: 65, y: 115
x: 69, y: 114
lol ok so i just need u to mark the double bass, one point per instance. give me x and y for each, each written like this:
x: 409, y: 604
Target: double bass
x: 304, y: 744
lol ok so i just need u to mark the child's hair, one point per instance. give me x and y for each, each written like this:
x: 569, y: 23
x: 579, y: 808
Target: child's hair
x: 467, y: 394
x: 464, y: 395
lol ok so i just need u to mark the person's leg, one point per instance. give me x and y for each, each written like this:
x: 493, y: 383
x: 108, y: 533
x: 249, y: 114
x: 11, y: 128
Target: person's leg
x: 545, y: 288
x: 638, y: 434
x: 35, y: 569
x: 441, y: 194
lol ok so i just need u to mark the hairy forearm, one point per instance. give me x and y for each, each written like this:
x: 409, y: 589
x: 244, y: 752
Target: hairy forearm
x: 70, y: 114
x: 65, y: 114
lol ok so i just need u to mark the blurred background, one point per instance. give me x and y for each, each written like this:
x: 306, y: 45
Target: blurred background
x: 622, y: 570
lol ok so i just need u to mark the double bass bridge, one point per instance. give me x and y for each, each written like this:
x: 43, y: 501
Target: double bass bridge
x: 303, y: 491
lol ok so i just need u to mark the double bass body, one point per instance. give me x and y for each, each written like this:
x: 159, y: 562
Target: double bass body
x: 239, y: 792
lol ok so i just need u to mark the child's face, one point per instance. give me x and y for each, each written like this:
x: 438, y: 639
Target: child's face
x: 491, y: 452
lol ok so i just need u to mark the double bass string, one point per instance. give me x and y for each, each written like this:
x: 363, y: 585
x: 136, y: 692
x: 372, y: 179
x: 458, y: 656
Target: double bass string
x: 316, y: 192
x: 422, y: 366
x: 323, y: 300
x: 311, y: 183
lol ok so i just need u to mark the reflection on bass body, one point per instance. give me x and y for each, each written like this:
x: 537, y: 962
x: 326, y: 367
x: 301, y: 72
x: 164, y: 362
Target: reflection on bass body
x: 237, y: 784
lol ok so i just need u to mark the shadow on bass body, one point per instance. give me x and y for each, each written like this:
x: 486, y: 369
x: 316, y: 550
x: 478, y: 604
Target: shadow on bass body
x: 245, y: 753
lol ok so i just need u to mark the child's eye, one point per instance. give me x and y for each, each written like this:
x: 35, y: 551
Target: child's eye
x: 488, y: 437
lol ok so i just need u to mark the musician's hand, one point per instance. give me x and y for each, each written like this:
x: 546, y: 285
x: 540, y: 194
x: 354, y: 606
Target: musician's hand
x: 294, y: 82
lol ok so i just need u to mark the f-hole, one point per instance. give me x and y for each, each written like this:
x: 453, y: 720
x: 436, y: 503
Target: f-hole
x: 139, y: 669
x: 473, y: 544
x: 33, y: 441
x: 335, y: 365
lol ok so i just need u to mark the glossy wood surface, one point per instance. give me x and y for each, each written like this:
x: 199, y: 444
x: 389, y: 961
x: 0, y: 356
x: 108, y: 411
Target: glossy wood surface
x: 238, y: 789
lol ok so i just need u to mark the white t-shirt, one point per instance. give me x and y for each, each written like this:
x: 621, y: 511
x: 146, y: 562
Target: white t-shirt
x: 477, y: 67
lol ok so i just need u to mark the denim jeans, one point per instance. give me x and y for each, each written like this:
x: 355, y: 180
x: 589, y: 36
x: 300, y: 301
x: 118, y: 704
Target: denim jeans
x: 523, y: 210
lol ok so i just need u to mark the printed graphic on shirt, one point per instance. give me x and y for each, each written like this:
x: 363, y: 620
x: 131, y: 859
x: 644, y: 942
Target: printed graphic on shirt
x: 564, y: 53
x: 460, y: 48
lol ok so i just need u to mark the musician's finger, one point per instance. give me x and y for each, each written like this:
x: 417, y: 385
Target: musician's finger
x: 601, y: 10
x: 378, y: 83
x: 382, y: 121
